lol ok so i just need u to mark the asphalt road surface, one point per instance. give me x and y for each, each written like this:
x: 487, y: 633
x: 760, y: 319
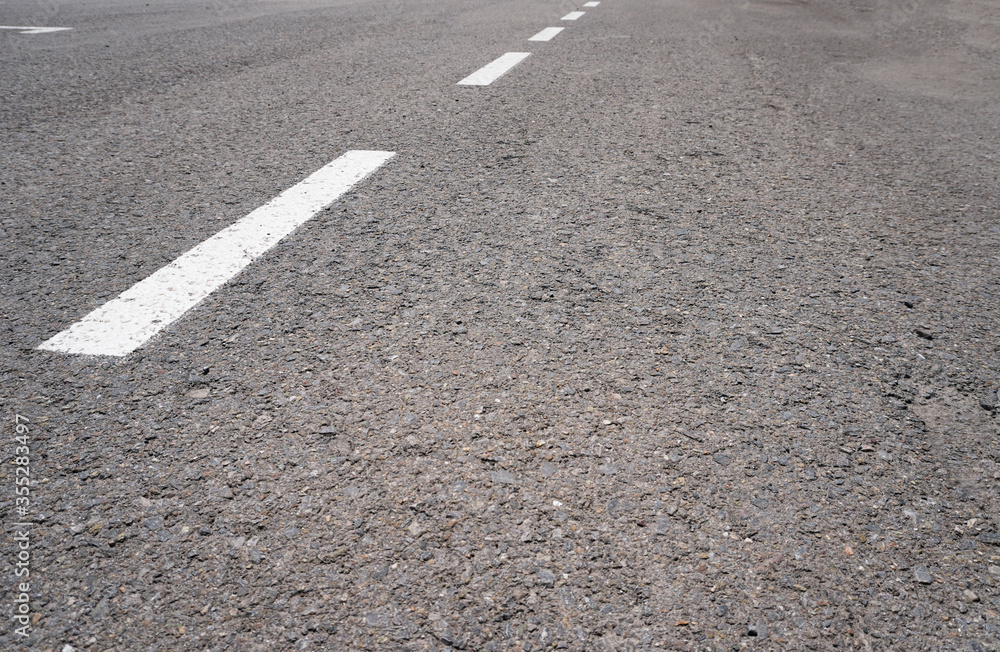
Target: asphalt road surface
x: 682, y: 333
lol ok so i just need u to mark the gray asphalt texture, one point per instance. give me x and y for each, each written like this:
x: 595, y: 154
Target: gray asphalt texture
x: 683, y: 334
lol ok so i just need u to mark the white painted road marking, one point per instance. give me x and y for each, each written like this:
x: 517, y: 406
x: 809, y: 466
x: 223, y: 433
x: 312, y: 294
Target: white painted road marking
x: 591, y: 4
x: 546, y: 34
x: 35, y: 30
x: 573, y: 15
x: 124, y: 324
x: 494, y: 70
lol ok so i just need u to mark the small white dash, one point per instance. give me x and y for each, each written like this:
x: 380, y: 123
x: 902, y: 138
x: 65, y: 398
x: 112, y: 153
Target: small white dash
x: 546, y: 34
x: 591, y: 4
x: 35, y: 30
x: 495, y: 69
x: 124, y: 324
x: 573, y: 15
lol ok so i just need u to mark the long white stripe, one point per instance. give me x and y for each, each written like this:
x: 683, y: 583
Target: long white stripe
x: 546, y: 34
x: 125, y: 323
x: 36, y: 30
x: 495, y: 69
x: 573, y: 15
x: 591, y: 4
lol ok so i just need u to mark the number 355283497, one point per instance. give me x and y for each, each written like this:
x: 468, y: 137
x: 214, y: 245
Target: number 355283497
x: 22, y: 463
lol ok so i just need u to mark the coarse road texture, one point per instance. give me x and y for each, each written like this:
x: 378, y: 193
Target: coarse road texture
x: 683, y: 333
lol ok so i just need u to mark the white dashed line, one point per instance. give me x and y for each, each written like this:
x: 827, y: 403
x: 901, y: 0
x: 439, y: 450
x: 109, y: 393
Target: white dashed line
x: 494, y: 70
x: 124, y: 324
x: 591, y: 4
x: 35, y: 30
x: 573, y: 15
x: 546, y: 34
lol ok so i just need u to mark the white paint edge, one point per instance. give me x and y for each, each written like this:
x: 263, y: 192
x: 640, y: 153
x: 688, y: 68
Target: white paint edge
x: 124, y: 324
x: 36, y: 30
x: 494, y: 70
x: 573, y: 15
x: 591, y: 4
x: 546, y: 34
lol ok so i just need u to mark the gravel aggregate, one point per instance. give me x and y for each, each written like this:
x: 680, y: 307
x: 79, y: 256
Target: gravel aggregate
x: 684, y: 334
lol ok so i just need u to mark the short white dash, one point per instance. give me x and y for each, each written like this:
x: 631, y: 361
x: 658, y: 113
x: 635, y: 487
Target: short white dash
x: 573, y: 15
x: 591, y: 4
x: 495, y: 69
x: 124, y: 324
x: 35, y: 30
x: 546, y: 34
